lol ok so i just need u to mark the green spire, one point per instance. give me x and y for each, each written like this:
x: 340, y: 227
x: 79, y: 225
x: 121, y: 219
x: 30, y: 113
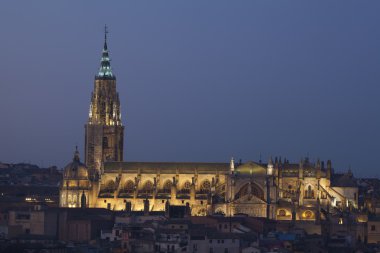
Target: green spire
x: 105, y: 71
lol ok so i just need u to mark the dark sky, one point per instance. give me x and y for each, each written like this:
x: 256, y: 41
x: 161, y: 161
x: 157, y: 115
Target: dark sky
x: 198, y: 80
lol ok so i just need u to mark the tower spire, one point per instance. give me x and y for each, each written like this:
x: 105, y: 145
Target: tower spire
x: 104, y: 130
x: 105, y: 71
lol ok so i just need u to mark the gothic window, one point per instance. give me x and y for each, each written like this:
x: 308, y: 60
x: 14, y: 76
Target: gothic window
x: 186, y: 187
x: 148, y: 187
x: 167, y: 186
x: 288, y: 192
x: 256, y: 191
x: 110, y: 186
x: 309, y: 193
x: 129, y: 186
x: 205, y: 186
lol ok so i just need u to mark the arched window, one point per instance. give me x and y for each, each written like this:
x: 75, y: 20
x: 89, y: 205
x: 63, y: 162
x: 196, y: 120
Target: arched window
x: 186, y: 187
x: 308, y: 214
x: 167, y: 186
x: 309, y: 193
x: 288, y: 192
x: 148, y: 187
x: 110, y: 186
x: 282, y: 213
x: 206, y: 186
x: 129, y: 186
x: 255, y: 190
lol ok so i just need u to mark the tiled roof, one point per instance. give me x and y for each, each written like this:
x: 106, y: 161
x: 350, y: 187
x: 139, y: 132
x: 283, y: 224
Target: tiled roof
x: 166, y: 167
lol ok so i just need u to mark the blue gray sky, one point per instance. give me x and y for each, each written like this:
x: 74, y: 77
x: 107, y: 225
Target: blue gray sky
x: 198, y: 80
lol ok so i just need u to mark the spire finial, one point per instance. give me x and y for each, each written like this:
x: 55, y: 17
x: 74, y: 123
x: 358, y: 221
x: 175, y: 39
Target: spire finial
x: 105, y: 36
x: 105, y: 33
x: 76, y: 154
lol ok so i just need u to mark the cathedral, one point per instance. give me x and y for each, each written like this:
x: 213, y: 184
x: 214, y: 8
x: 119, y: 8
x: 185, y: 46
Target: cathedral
x: 277, y: 189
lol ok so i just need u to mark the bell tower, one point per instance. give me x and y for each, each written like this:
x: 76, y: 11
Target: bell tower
x: 104, y: 132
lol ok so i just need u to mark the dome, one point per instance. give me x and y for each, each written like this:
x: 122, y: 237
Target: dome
x: 75, y: 169
x: 251, y: 168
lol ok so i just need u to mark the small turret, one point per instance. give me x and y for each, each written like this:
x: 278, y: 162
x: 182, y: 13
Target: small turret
x: 270, y: 167
x: 232, y: 165
x: 318, y: 168
x: 300, y: 171
x: 329, y: 169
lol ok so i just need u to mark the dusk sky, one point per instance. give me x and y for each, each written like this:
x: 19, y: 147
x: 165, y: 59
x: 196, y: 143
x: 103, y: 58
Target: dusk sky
x: 197, y: 80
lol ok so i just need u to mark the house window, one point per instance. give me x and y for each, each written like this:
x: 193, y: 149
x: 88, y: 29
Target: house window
x: 109, y: 206
x: 373, y: 228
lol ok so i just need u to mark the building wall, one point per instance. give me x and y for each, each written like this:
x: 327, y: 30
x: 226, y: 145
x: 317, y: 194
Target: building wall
x: 373, y: 230
x: 253, y: 193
